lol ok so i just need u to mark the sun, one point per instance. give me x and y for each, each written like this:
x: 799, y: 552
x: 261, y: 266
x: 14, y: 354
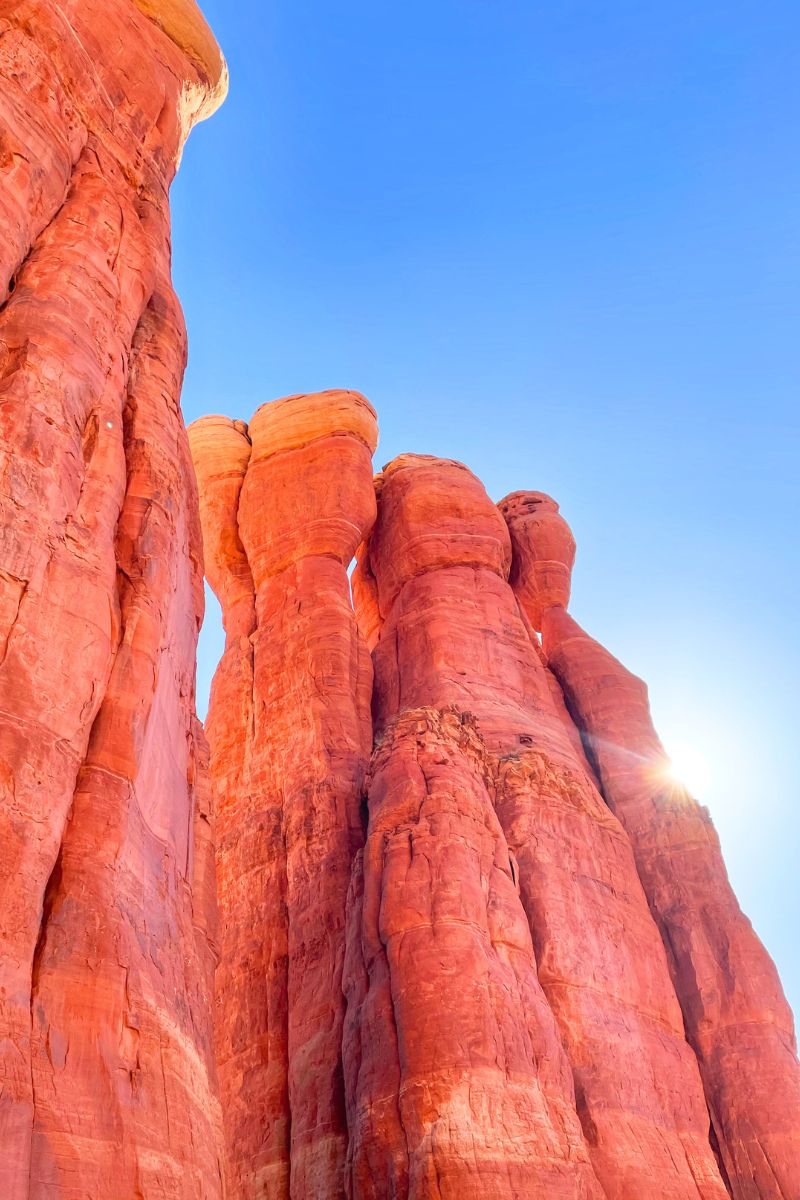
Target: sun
x: 689, y: 767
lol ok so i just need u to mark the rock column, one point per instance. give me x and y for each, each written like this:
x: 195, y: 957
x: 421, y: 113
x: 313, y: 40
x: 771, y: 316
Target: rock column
x: 289, y: 758
x: 452, y: 636
x: 735, y: 1014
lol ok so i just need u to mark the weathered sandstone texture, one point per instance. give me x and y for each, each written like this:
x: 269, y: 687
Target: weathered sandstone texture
x: 285, y: 504
x: 453, y: 635
x: 548, y: 988
x: 107, y: 904
x: 735, y: 1014
x: 473, y: 944
x: 457, y: 1082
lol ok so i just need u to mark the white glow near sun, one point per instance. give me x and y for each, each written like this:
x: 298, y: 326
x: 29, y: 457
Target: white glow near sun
x: 689, y: 767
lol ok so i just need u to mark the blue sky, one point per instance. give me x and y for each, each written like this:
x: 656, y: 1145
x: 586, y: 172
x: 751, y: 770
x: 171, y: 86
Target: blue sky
x: 557, y: 241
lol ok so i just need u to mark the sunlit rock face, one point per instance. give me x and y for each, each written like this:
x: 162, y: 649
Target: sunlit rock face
x: 500, y: 996
x: 107, y: 895
x: 285, y: 503
x: 543, y: 552
x: 472, y: 945
x: 453, y: 636
x: 736, y: 1017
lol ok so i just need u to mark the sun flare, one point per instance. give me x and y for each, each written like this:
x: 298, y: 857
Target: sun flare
x: 689, y: 767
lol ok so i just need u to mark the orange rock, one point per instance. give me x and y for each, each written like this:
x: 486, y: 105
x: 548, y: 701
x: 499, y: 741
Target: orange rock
x: 220, y: 451
x: 479, y: 1000
x: 365, y: 598
x: 453, y: 636
x: 291, y: 735
x: 106, y: 904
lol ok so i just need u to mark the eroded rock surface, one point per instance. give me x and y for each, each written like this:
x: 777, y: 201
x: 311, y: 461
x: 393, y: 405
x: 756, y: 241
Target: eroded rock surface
x: 453, y: 635
x: 539, y: 996
x: 458, y: 1085
x: 736, y: 1017
x: 107, y: 908
x: 472, y: 946
x: 286, y: 504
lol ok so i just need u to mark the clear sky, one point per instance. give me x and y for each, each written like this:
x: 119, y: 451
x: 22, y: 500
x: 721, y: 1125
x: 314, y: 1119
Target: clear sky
x: 557, y: 241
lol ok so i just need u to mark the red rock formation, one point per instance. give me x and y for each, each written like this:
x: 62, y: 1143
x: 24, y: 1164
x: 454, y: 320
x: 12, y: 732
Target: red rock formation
x: 735, y: 1014
x: 473, y: 1002
x: 221, y: 451
x: 543, y: 552
x: 106, y: 896
x: 291, y: 736
x: 457, y: 1083
x: 453, y: 636
x: 496, y: 919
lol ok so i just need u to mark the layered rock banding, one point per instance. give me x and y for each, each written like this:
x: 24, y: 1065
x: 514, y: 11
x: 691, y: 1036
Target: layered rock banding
x: 736, y: 1017
x: 107, y: 922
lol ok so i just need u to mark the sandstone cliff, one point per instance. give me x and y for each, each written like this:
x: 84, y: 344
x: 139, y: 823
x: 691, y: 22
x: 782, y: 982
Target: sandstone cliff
x: 453, y: 634
x: 107, y: 911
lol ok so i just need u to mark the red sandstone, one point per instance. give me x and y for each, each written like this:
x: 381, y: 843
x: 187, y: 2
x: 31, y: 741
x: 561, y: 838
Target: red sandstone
x: 107, y: 902
x: 481, y: 951
x: 291, y: 736
x: 453, y: 636
x: 735, y: 1014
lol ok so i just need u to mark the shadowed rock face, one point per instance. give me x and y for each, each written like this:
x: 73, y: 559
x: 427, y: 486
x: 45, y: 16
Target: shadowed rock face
x: 736, y: 1017
x: 107, y: 909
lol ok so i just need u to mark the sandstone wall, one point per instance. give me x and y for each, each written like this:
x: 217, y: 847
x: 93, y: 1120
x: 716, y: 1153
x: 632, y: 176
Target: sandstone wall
x: 472, y: 944
x: 107, y: 908
x: 735, y: 1015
